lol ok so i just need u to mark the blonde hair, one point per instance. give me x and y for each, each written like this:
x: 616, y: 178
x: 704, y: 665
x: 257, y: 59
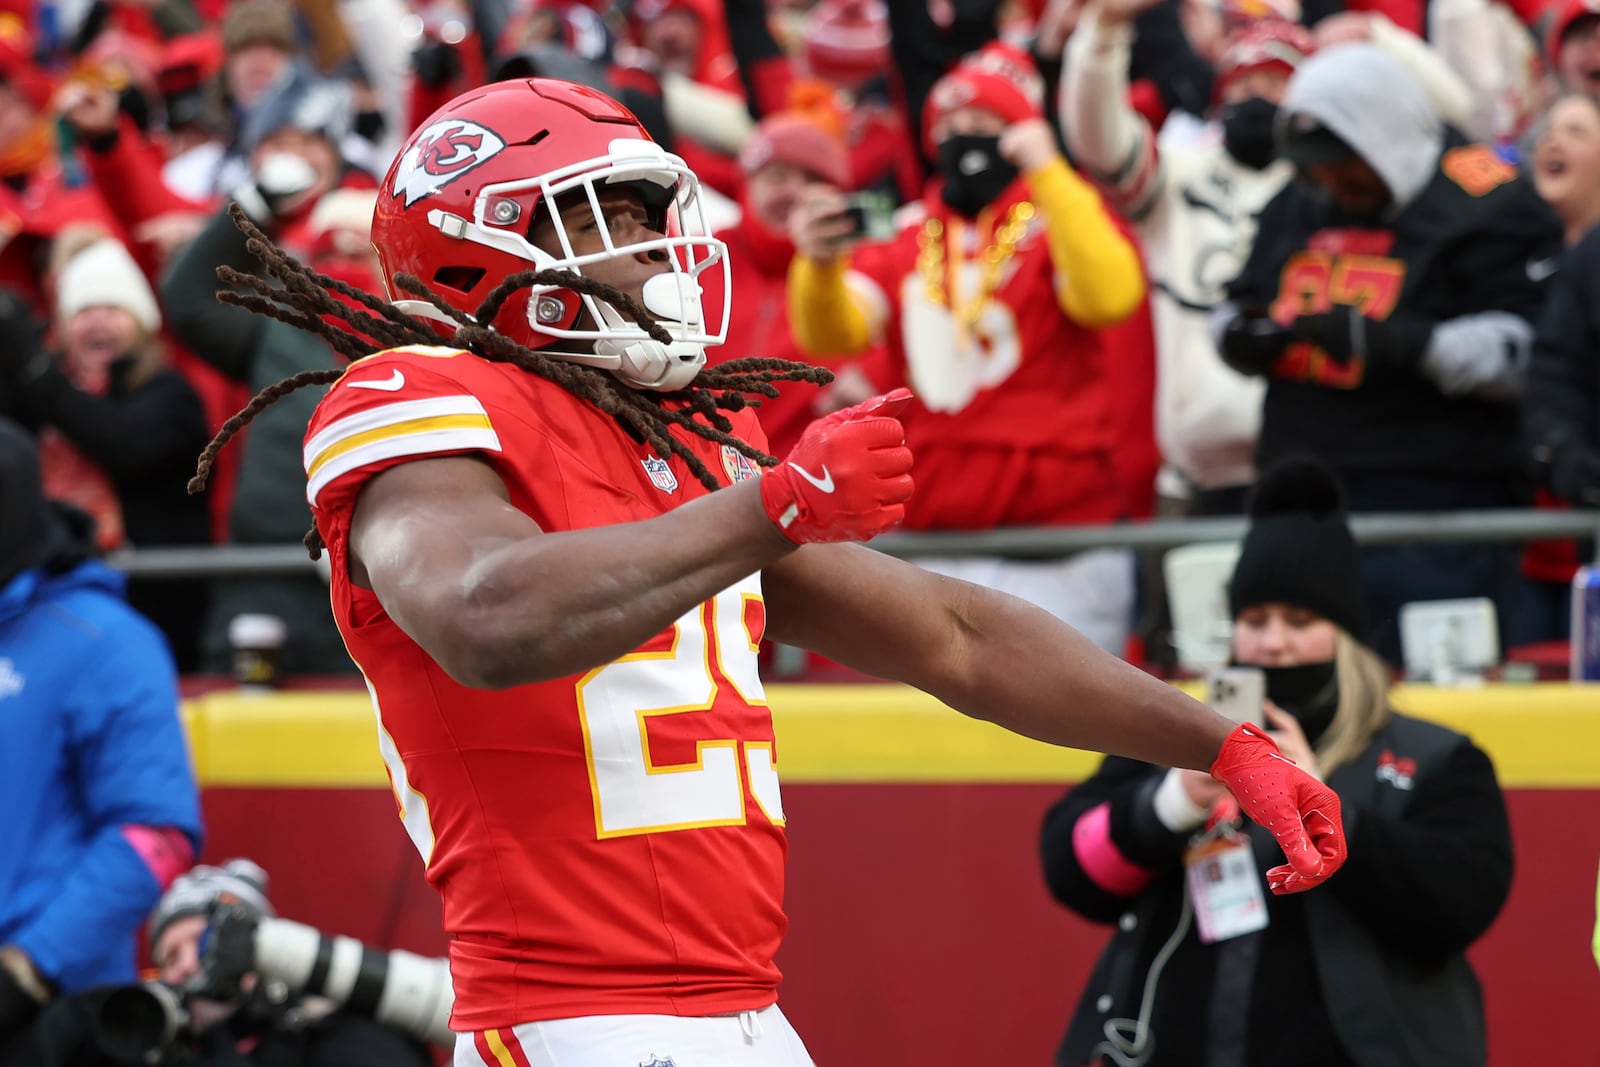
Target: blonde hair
x: 149, y: 358
x: 1363, y: 709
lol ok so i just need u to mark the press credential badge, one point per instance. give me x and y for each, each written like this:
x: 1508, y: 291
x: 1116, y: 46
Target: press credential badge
x: 1225, y: 887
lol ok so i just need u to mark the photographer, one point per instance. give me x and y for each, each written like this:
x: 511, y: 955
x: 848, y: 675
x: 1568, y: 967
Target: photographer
x: 195, y: 1018
x: 1206, y: 966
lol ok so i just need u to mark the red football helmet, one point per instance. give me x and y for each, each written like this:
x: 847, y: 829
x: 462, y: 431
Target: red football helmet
x: 460, y: 200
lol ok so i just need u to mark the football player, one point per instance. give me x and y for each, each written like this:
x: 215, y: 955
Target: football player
x: 558, y: 616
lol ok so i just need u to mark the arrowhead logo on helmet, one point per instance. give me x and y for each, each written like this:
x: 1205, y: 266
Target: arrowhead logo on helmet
x: 442, y: 153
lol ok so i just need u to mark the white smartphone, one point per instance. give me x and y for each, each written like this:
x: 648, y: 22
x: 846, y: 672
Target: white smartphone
x: 1237, y: 693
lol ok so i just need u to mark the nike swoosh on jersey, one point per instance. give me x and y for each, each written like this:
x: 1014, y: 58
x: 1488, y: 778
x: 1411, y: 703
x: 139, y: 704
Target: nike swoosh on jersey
x: 388, y: 385
x: 1540, y: 269
x: 823, y: 484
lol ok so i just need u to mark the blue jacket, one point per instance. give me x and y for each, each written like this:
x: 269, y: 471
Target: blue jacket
x: 90, y: 743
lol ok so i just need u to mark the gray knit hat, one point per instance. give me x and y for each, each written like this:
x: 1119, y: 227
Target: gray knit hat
x: 241, y: 881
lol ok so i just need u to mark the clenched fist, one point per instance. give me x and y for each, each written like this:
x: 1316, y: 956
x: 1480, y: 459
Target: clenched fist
x: 1302, y: 813
x: 849, y: 477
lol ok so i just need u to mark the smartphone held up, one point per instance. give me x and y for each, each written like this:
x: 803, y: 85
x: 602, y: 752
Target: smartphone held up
x: 1237, y: 693
x: 871, y: 216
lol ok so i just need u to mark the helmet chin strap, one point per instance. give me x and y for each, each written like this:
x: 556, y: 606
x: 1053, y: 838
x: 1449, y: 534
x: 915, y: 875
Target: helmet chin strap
x: 641, y: 362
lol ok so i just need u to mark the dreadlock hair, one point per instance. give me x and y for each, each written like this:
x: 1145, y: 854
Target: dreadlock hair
x: 303, y: 298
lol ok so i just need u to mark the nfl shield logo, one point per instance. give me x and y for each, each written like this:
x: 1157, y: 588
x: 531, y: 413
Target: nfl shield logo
x: 661, y: 475
x: 740, y: 467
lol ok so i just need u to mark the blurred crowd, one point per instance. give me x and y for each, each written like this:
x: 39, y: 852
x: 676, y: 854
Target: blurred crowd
x: 1041, y: 215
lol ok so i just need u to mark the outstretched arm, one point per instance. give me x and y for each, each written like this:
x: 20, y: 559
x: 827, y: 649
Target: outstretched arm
x: 998, y: 658
x: 985, y: 654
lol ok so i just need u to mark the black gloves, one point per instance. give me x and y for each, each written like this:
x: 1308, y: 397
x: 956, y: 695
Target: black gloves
x: 1251, y: 343
x: 1346, y: 334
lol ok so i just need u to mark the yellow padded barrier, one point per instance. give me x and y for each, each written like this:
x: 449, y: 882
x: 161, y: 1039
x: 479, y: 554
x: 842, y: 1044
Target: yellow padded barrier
x: 1540, y: 736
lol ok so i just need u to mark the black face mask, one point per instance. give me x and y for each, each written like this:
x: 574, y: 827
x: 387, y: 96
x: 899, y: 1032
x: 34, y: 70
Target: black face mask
x: 1309, y: 692
x: 1247, y: 131
x: 119, y: 370
x: 370, y: 125
x: 974, y: 174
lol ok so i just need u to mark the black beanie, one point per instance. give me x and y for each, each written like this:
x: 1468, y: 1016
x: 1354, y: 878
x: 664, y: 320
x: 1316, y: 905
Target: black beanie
x: 1299, y: 549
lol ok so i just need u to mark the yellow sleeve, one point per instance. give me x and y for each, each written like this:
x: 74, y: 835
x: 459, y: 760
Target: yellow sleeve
x: 824, y: 315
x: 1099, y: 275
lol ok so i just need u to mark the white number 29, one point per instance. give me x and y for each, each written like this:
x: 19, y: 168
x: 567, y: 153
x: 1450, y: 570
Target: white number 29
x: 712, y: 646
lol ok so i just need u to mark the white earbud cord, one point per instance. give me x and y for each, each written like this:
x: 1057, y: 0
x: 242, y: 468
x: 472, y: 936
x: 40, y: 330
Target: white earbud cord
x: 1135, y: 1050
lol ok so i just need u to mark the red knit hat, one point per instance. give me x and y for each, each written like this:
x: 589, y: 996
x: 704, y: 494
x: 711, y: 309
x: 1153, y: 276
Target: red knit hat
x: 791, y: 138
x: 847, y: 41
x: 1271, y: 44
x: 997, y: 78
x: 1566, y: 13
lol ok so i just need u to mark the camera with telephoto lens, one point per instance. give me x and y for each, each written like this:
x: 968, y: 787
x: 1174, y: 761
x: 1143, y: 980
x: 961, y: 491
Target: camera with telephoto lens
x: 138, y: 1023
x: 400, y: 989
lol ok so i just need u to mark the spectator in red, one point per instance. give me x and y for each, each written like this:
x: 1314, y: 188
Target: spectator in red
x: 123, y: 163
x: 991, y: 308
x: 787, y: 154
x: 842, y: 67
x: 1574, y: 44
x: 188, y: 78
x: 35, y: 198
x: 687, y: 37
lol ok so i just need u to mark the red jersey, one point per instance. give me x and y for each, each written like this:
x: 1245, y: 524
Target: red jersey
x: 1012, y: 421
x: 606, y: 843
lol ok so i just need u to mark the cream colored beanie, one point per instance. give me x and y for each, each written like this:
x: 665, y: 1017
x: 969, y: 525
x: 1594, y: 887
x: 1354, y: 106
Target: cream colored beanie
x: 104, y: 274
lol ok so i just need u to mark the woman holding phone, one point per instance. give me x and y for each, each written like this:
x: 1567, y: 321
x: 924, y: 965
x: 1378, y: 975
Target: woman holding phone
x: 1207, y: 967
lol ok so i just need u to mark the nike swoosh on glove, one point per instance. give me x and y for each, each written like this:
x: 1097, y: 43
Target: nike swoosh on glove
x: 849, y: 477
x: 1301, y: 812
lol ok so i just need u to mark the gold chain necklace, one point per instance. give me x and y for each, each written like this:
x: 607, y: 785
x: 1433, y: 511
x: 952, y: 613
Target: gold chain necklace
x: 938, y: 268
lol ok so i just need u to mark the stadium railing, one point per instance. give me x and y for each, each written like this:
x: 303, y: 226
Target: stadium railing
x: 1039, y: 542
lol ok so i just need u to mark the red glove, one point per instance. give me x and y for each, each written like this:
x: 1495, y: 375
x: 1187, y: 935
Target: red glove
x: 849, y: 477
x: 1301, y: 812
